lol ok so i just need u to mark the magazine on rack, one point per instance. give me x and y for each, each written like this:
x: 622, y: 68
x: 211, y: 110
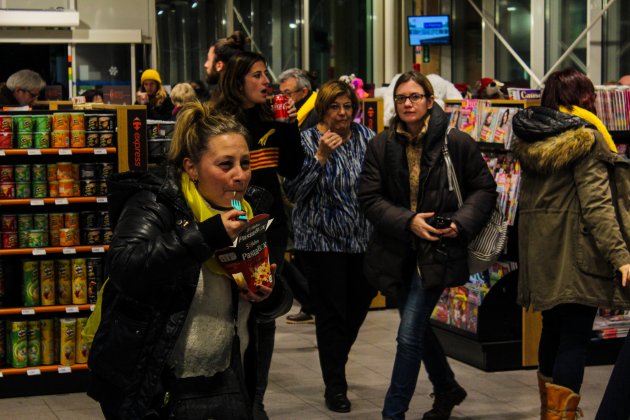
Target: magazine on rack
x: 247, y: 260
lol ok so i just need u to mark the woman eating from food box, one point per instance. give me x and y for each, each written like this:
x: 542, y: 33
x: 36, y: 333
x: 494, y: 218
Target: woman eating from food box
x: 419, y: 245
x: 174, y: 325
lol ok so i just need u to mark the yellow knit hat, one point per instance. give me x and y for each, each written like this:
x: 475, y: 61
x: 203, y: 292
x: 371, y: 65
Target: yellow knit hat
x: 150, y: 74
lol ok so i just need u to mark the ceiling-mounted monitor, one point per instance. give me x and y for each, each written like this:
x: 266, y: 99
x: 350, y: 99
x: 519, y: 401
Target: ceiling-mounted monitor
x: 429, y: 30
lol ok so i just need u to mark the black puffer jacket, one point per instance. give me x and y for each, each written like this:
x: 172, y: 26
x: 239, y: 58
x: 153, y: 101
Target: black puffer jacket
x: 154, y: 264
x: 384, y: 196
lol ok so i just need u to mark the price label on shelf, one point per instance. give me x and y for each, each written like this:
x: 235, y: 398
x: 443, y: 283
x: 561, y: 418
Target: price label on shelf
x: 33, y: 372
x: 65, y: 152
x: 100, y: 151
x: 39, y: 251
x: 33, y: 152
x: 2, y: 154
x: 101, y: 199
x: 61, y: 201
x: 37, y: 202
x: 69, y: 250
x: 64, y: 369
x: 28, y: 311
x: 1, y: 375
x: 92, y: 307
x: 72, y: 309
x: 98, y: 249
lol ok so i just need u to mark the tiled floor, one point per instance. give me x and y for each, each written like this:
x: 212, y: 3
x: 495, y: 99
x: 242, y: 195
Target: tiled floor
x: 296, y: 390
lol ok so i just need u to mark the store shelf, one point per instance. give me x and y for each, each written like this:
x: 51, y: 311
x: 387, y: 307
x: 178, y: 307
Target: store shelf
x: 38, y: 370
x: 68, y: 250
x: 60, y: 152
x: 58, y: 201
x: 60, y: 309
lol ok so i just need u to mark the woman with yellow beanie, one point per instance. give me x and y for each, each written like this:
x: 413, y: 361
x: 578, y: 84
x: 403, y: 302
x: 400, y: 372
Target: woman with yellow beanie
x: 154, y: 96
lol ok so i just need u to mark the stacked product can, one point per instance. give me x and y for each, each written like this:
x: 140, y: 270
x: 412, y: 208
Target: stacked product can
x: 43, y: 342
x: 6, y: 132
x: 99, y: 130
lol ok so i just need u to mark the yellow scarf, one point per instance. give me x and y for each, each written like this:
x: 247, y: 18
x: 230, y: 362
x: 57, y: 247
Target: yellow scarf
x: 202, y: 210
x: 592, y: 118
x: 306, y: 108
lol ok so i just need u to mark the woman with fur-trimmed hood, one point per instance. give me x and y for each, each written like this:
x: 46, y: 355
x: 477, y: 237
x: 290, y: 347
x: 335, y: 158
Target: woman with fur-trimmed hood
x: 573, y: 248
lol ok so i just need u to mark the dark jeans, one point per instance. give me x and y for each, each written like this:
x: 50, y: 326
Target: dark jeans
x: 298, y: 284
x: 566, y: 332
x: 615, y: 404
x: 265, y: 334
x: 342, y: 299
x: 416, y: 343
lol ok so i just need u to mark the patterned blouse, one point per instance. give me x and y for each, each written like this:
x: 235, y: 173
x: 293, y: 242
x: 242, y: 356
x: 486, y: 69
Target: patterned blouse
x: 326, y: 217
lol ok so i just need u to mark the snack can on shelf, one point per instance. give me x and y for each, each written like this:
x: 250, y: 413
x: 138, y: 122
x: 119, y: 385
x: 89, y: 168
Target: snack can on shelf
x: 89, y: 219
x: 101, y: 187
x: 60, y: 121
x: 39, y: 189
x: 77, y: 138
x: 104, y: 169
x: 53, y: 237
x: 94, y: 277
x: 24, y: 140
x: 91, y: 122
x: 22, y: 172
x: 91, y: 236
x: 41, y: 123
x: 9, y: 223
x: 105, y: 122
x: 79, y: 281
x: 51, y: 172
x: 53, y: 189
x: 60, y: 139
x: 17, y: 344
x: 9, y: 240
x: 103, y: 219
x: 82, y: 349
x: 88, y: 171
x: 23, y: 239
x: 64, y: 282
x: 23, y: 123
x: 71, y: 220
x: 6, y: 173
x: 40, y: 221
x: 106, y: 139
x: 25, y: 222
x: 106, y: 236
x: 30, y: 283
x: 67, y: 341
x: 76, y: 171
x: 77, y: 121
x: 55, y: 221
x: 6, y: 124
x: 48, y: 341
x: 92, y: 139
x: 6, y: 140
x: 47, y: 282
x: 33, y: 343
x: 68, y: 237
x: 36, y: 238
x: 39, y: 172
x: 64, y: 170
x: 41, y: 139
x: 65, y: 188
x: 7, y: 189
x: 22, y: 190
x: 76, y: 188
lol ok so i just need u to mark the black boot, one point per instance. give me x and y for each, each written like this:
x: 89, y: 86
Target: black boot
x: 444, y: 403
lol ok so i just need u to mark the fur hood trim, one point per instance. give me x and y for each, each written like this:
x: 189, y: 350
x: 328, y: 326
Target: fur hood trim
x: 554, y: 153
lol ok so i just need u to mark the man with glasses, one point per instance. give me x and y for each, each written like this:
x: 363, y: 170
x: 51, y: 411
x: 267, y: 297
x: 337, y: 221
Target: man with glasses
x: 295, y: 84
x: 22, y: 88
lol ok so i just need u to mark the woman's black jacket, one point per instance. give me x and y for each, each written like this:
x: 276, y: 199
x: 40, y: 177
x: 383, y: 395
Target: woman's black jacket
x: 393, y: 250
x: 154, y: 262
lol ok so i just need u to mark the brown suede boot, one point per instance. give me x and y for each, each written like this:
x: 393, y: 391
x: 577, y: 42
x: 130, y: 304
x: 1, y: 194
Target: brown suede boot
x: 562, y: 403
x: 542, y: 389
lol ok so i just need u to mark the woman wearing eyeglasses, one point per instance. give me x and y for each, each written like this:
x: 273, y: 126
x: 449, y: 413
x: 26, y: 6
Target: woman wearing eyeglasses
x: 22, y: 88
x: 419, y: 244
x: 331, y: 232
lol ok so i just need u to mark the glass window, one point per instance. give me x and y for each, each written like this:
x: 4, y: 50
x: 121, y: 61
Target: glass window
x: 566, y: 20
x: 339, y: 38
x: 513, y: 21
x: 466, y: 43
x: 616, y: 53
x: 104, y: 67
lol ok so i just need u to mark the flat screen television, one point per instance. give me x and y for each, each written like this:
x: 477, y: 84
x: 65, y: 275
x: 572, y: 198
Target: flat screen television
x: 429, y: 30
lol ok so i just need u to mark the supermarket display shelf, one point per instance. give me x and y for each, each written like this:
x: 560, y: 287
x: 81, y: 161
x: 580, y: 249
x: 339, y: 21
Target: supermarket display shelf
x: 61, y: 152
x: 58, y: 201
x: 38, y: 370
x: 32, y: 310
x: 95, y: 249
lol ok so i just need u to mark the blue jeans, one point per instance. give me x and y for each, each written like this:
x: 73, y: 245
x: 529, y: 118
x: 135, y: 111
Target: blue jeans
x: 416, y: 343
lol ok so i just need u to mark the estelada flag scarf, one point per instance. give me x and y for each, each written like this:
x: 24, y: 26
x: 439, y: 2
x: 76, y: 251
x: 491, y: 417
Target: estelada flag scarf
x: 592, y: 118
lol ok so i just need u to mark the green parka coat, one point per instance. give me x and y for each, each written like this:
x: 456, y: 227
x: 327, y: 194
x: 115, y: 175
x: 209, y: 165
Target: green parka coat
x: 572, y: 239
